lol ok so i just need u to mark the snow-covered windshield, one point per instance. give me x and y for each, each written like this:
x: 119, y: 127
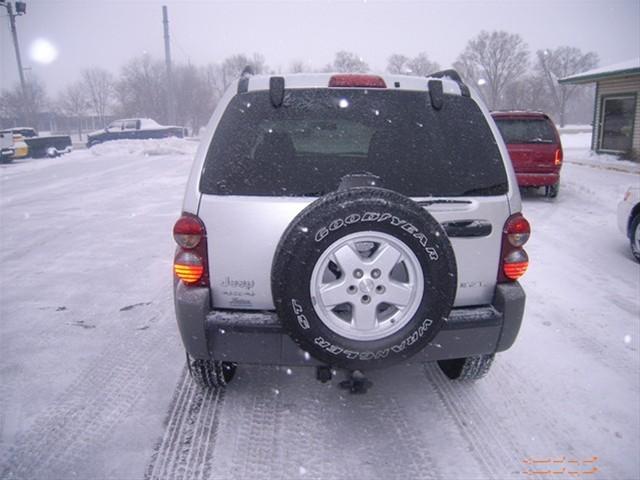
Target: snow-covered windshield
x: 318, y: 136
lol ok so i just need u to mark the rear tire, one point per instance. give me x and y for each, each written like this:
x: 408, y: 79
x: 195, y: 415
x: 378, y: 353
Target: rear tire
x: 211, y: 374
x: 467, y: 369
x: 552, y: 190
x: 634, y: 237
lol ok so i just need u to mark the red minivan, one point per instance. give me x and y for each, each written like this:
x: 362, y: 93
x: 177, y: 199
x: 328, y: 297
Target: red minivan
x: 534, y: 146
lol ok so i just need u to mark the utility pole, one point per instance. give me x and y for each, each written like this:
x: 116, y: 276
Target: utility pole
x: 20, y: 10
x: 171, y: 107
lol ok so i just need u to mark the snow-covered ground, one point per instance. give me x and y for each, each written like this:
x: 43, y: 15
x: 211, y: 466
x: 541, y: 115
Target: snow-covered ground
x: 92, y: 372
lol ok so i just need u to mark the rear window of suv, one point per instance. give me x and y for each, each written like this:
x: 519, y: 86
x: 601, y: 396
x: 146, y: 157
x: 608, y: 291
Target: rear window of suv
x: 526, y: 130
x: 318, y: 136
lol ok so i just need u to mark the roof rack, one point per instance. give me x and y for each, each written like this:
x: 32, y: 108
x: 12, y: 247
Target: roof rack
x: 243, y: 83
x: 247, y: 71
x: 450, y: 72
x: 455, y: 76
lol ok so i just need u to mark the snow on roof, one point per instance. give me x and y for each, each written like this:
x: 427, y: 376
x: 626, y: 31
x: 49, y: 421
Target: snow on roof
x: 630, y: 67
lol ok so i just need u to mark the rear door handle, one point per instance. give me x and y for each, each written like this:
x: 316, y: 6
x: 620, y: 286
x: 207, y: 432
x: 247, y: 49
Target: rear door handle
x: 467, y: 228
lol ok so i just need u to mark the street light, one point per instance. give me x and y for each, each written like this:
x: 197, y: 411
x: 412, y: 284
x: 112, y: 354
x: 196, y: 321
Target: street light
x: 20, y: 9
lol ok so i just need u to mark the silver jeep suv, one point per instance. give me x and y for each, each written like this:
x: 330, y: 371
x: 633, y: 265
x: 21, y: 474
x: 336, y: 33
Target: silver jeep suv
x: 349, y: 221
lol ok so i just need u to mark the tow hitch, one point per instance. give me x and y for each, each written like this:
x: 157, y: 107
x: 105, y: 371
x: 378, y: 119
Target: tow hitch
x: 324, y: 374
x: 356, y: 383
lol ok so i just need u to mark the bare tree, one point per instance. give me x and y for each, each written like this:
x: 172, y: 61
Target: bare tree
x: 214, y: 78
x: 494, y: 59
x: 526, y: 93
x: 233, y: 66
x: 347, y: 62
x: 24, y: 107
x: 140, y: 92
x: 419, y: 65
x: 195, y: 97
x: 99, y: 85
x: 562, y: 62
x: 73, y: 102
x: 397, y: 63
x: 299, y: 66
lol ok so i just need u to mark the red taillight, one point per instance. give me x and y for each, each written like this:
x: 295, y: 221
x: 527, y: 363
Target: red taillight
x: 514, y: 260
x: 188, y: 231
x: 515, y: 264
x: 190, y: 262
x: 517, y: 230
x: 357, y: 80
x: 188, y: 267
x: 558, y: 157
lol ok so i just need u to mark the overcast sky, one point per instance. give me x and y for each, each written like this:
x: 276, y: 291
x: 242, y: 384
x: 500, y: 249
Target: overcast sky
x: 107, y: 33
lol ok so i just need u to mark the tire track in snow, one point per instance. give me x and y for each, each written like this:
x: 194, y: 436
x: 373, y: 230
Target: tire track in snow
x: 185, y: 451
x: 259, y: 437
x: 278, y: 426
x: 496, y: 431
x: 269, y: 418
x: 489, y: 444
x: 406, y: 441
x: 61, y: 439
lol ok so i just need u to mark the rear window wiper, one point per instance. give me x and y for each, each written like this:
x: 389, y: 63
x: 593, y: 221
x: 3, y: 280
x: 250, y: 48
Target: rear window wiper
x: 426, y: 203
x: 497, y: 189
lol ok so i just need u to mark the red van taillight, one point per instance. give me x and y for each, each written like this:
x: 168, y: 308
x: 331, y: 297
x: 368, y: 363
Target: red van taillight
x: 514, y: 260
x: 357, y: 81
x: 558, y: 158
x: 190, y: 261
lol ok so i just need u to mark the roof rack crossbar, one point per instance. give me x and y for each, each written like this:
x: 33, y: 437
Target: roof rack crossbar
x: 247, y: 71
x: 243, y: 82
x: 455, y: 76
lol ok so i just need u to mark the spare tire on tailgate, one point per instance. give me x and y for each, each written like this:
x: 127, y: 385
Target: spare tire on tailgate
x: 363, y: 278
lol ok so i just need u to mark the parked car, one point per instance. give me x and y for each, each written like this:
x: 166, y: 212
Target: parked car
x: 134, y: 128
x: 36, y: 146
x: 20, y: 147
x: 26, y: 132
x: 6, y: 147
x: 534, y: 147
x: 330, y: 227
x: 629, y: 218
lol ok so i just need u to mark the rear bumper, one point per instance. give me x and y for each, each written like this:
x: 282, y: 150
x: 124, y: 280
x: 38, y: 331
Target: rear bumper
x: 537, y: 179
x: 258, y: 337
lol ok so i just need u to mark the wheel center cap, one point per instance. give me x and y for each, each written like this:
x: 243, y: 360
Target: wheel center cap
x: 366, y: 285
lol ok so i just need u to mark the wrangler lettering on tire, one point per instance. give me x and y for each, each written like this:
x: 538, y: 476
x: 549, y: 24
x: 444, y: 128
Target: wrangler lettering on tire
x: 363, y: 278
